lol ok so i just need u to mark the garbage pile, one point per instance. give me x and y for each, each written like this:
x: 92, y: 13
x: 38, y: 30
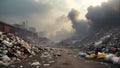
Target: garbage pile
x: 45, y: 59
x: 106, y: 57
x: 13, y: 48
x: 107, y: 48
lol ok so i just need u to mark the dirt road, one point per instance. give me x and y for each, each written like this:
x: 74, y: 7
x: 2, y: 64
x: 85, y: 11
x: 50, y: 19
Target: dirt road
x: 69, y: 60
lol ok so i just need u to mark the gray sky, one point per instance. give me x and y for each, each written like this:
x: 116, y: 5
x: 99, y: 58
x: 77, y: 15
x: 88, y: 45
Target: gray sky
x: 49, y: 16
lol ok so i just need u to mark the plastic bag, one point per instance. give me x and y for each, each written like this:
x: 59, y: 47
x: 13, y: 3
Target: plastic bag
x: 83, y: 55
x: 109, y: 57
x: 119, y: 61
x: 35, y: 63
x: 6, y: 58
x: 92, y: 56
x: 115, y: 60
x: 100, y: 55
x: 7, y: 43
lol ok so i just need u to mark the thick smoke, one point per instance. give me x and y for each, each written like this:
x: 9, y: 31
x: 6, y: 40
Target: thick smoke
x: 108, y: 14
x: 100, y: 16
x: 80, y: 26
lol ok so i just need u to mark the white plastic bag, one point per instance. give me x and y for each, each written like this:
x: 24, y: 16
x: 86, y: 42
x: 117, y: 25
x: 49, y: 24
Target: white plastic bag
x: 119, y: 61
x: 115, y: 60
x: 109, y: 57
x: 7, y: 43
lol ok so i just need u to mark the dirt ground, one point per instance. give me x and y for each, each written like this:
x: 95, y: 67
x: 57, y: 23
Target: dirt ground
x: 70, y: 60
x: 67, y: 60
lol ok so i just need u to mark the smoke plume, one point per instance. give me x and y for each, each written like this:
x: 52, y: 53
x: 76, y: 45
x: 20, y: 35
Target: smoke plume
x: 108, y: 14
x: 80, y: 26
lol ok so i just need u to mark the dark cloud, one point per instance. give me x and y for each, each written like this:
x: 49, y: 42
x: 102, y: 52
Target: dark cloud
x: 108, y: 14
x: 22, y: 7
x: 80, y: 26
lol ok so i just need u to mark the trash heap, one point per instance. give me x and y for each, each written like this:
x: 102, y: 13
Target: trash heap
x: 13, y: 48
x: 106, y: 48
x: 45, y: 59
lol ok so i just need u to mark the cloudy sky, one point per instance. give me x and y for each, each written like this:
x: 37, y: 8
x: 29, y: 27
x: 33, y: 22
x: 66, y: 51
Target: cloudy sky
x: 58, y: 19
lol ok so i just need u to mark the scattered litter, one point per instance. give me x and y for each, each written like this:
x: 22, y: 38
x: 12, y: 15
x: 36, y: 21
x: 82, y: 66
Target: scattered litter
x: 46, y: 65
x: 115, y: 60
x: 51, y: 62
x: 35, y: 63
x: 21, y: 66
x: 37, y: 66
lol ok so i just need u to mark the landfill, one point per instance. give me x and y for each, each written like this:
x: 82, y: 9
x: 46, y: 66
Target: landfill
x: 13, y: 49
x: 106, y: 47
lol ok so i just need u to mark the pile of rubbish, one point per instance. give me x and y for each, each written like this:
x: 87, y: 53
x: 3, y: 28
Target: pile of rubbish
x: 106, y: 57
x: 107, y: 48
x: 45, y: 59
x: 13, y: 48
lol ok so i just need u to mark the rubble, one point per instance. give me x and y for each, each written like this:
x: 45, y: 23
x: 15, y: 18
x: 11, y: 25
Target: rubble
x: 105, y: 47
x: 13, y: 49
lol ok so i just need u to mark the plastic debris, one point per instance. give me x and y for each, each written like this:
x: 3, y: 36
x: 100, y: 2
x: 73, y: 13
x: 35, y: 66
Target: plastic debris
x: 115, y: 60
x: 92, y: 56
x: 51, y: 61
x: 21, y: 66
x: 101, y: 55
x: 83, y: 55
x: 46, y: 65
x: 109, y: 57
x: 37, y: 66
x: 35, y: 63
x: 14, y: 48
